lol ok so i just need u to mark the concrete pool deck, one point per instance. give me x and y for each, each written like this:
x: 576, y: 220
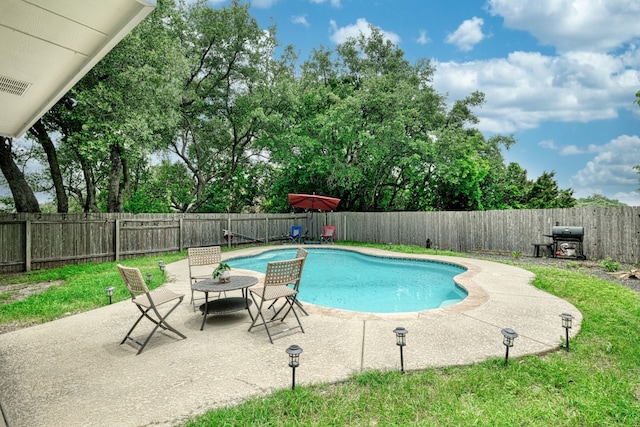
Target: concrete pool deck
x: 73, y: 372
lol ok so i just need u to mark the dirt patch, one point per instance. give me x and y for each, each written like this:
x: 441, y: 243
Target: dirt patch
x: 12, y: 292
x: 18, y: 291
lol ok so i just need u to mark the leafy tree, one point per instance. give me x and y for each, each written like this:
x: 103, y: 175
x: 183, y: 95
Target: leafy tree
x: 369, y: 128
x: 236, y: 129
x: 506, y: 187
x: 545, y: 194
x: 233, y: 94
x: 597, y: 200
x: 126, y: 110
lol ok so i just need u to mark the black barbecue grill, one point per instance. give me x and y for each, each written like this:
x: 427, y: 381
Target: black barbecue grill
x: 567, y: 242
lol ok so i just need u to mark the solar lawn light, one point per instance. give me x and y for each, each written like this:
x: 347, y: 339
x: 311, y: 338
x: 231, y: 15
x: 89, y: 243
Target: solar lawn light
x: 566, y: 324
x: 162, y: 266
x: 401, y: 341
x: 294, y: 361
x: 109, y: 291
x: 149, y: 277
x: 509, y: 335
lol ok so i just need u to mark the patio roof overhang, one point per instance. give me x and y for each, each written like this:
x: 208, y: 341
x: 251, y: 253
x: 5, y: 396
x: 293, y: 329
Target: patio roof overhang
x: 47, y: 46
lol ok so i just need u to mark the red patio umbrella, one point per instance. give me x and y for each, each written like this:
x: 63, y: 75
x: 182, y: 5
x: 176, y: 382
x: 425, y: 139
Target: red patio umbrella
x: 313, y: 202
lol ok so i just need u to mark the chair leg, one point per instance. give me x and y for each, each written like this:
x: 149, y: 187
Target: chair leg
x: 289, y: 301
x: 296, y: 302
x: 301, y: 307
x: 193, y: 301
x: 295, y: 314
x: 133, y: 327
x: 161, y: 322
x: 255, y: 319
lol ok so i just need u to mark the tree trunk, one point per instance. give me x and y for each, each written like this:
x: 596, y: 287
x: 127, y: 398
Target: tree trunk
x: 89, y: 203
x: 23, y: 196
x: 38, y: 130
x: 118, y: 180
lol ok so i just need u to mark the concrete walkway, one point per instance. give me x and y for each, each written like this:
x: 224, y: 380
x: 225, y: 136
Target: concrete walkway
x: 73, y: 372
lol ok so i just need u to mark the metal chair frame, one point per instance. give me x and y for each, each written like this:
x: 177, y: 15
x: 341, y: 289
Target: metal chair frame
x: 208, y: 256
x: 295, y: 236
x: 301, y: 253
x: 279, y: 275
x: 148, y: 302
x: 329, y: 234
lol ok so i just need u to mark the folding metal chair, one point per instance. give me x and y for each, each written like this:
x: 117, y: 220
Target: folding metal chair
x: 329, y: 234
x: 296, y: 234
x: 202, y: 262
x: 301, y: 253
x: 148, y: 303
x: 279, y: 275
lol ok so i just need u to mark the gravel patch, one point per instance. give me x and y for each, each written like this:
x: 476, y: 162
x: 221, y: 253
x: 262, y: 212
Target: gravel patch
x: 627, y: 275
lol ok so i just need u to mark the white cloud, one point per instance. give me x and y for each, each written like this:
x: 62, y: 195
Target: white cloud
x: 423, y: 39
x: 468, y: 34
x: 566, y: 150
x: 340, y: 35
x: 300, y: 19
x: 263, y: 4
x: 571, y: 150
x: 527, y: 88
x: 334, y: 3
x: 549, y: 144
x: 612, y: 165
x: 585, y: 25
x: 629, y: 198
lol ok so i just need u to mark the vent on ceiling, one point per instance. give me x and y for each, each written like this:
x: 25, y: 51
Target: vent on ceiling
x: 13, y: 86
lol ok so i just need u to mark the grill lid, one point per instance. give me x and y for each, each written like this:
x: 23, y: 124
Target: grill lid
x: 567, y: 231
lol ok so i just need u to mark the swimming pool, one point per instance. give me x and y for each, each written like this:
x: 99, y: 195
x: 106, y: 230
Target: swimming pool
x: 349, y: 280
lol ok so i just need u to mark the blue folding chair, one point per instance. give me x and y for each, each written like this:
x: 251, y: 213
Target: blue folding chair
x: 296, y: 234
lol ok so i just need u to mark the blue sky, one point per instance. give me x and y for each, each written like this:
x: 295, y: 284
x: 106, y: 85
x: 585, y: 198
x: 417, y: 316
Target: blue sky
x: 559, y: 75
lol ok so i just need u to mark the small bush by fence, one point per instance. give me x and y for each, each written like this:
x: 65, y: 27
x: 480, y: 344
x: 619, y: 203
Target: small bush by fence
x: 38, y: 241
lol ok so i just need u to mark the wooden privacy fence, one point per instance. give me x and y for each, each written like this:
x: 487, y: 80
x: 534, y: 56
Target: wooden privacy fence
x: 40, y: 241
x: 608, y: 232
x: 37, y: 241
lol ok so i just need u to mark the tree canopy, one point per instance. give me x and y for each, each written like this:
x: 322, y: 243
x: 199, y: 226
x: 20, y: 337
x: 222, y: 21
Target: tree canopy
x: 200, y: 110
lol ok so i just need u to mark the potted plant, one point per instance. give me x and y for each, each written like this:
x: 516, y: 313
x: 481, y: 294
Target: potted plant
x: 222, y: 272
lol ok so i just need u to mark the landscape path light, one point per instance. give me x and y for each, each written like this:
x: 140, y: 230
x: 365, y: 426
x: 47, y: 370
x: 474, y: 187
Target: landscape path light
x: 162, y: 266
x: 401, y: 341
x: 509, y: 335
x: 109, y: 291
x: 294, y: 361
x: 566, y: 324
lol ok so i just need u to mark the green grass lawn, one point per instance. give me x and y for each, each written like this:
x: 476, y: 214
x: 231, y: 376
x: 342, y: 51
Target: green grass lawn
x: 597, y: 383
x: 75, y: 288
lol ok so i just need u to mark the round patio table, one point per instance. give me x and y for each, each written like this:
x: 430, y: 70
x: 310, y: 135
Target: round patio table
x: 227, y: 304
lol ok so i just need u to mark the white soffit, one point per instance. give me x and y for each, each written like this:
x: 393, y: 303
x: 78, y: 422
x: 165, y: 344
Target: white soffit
x: 46, y: 46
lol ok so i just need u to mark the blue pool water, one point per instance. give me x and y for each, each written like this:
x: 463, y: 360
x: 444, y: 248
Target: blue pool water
x: 352, y: 281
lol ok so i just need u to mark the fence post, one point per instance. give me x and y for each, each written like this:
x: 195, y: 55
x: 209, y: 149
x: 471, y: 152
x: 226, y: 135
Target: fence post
x: 117, y: 239
x: 180, y: 234
x: 230, y: 236
x: 27, y: 245
x: 344, y: 228
x: 266, y: 226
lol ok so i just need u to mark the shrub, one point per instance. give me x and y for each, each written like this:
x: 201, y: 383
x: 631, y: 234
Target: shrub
x: 609, y: 265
